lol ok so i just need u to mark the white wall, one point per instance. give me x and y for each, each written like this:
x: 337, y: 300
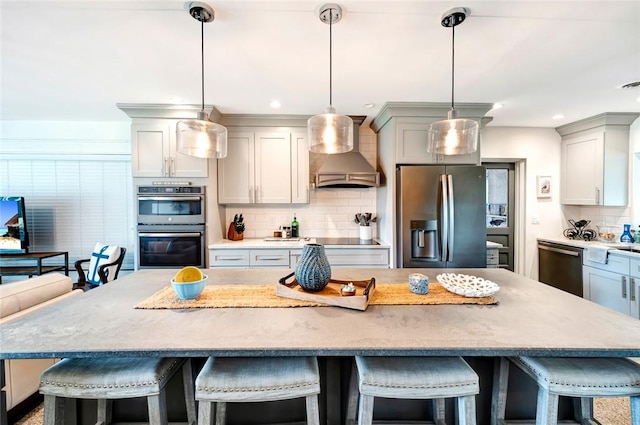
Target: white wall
x: 538, y: 149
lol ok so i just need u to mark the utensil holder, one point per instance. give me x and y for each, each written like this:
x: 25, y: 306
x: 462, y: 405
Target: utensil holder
x: 233, y: 235
x: 366, y: 233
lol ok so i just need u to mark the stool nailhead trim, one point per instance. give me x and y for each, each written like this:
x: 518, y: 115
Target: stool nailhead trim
x: 278, y: 388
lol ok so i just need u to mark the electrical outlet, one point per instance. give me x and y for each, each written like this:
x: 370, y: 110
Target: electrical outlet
x: 271, y: 221
x: 535, y: 219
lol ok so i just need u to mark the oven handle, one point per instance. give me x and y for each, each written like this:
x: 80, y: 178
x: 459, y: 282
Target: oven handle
x: 168, y: 235
x: 170, y: 198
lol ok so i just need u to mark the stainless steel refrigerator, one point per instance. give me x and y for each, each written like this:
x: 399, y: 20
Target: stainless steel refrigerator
x: 441, y: 216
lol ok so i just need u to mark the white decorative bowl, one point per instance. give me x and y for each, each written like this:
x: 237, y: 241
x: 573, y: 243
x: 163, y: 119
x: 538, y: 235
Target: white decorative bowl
x: 418, y: 283
x: 469, y: 286
x: 189, y: 290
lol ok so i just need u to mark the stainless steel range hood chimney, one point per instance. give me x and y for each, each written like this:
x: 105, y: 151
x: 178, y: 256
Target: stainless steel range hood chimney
x: 350, y: 169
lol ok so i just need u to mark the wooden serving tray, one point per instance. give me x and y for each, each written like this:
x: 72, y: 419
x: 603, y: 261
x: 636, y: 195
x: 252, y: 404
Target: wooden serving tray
x: 331, y: 293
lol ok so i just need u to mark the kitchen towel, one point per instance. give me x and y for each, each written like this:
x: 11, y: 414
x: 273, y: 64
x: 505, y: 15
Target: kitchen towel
x: 597, y: 253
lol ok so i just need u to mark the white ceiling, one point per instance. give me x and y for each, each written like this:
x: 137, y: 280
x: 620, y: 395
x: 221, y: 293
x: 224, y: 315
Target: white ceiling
x: 74, y: 60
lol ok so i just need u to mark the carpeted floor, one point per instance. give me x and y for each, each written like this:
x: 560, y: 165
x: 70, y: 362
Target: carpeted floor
x: 608, y: 411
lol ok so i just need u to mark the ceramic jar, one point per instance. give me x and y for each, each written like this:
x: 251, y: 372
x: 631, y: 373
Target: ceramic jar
x: 313, y: 270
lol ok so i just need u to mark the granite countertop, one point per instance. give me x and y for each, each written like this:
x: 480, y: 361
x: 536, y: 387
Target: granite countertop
x: 614, y: 247
x: 293, y: 243
x: 530, y: 318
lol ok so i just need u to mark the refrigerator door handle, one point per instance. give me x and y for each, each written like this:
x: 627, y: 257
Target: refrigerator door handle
x: 444, y: 216
x: 451, y: 220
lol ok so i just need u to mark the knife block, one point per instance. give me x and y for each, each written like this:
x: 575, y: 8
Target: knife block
x: 232, y: 235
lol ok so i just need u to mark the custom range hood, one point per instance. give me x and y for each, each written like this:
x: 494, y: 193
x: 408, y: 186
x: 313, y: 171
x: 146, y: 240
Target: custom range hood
x: 349, y: 169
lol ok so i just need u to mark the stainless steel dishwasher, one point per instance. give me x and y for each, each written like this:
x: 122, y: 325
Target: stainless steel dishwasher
x: 560, y: 266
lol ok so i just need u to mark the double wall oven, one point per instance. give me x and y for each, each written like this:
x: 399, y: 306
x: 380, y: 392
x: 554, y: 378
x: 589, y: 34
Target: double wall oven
x: 171, y: 226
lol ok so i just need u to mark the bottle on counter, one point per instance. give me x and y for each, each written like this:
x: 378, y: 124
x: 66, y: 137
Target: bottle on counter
x: 295, y: 233
x: 626, y: 234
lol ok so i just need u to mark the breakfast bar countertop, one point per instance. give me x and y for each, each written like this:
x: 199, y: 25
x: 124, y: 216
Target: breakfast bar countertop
x: 530, y: 318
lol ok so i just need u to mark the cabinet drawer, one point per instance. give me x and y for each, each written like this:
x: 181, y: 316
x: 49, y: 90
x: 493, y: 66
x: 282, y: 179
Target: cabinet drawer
x: 634, y: 268
x: 269, y: 258
x: 615, y: 264
x: 357, y: 257
x: 229, y: 258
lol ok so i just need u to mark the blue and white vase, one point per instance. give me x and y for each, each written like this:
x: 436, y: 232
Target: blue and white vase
x: 313, y: 270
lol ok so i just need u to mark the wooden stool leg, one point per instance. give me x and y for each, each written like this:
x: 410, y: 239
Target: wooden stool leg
x: 204, y: 413
x: 547, y: 409
x: 365, y: 414
x: 157, y: 406
x: 635, y: 410
x: 352, y: 401
x: 499, y: 390
x: 466, y: 410
x: 53, y: 410
x: 439, y: 411
x: 583, y: 409
x: 189, y: 395
x: 104, y: 411
x: 313, y: 411
x: 221, y: 413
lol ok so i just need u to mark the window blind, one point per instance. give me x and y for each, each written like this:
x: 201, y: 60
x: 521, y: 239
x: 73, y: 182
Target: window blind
x: 72, y: 204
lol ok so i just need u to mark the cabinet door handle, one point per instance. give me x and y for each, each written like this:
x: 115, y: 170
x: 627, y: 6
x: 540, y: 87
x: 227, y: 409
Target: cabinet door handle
x: 597, y: 196
x: 632, y: 289
x: 251, y: 195
x: 165, y: 171
x: 624, y: 287
x: 172, y: 167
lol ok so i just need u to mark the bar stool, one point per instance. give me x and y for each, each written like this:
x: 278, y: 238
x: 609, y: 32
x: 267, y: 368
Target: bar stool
x: 225, y: 380
x: 584, y: 378
x: 114, y: 378
x: 434, y: 378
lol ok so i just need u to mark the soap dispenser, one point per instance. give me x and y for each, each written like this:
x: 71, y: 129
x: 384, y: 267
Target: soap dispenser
x: 626, y: 234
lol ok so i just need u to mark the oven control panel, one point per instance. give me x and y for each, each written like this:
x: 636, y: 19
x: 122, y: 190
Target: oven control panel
x: 188, y: 190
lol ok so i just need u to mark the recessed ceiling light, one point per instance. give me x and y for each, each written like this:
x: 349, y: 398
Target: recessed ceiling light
x: 275, y: 104
x: 368, y: 105
x: 557, y: 117
x: 497, y: 106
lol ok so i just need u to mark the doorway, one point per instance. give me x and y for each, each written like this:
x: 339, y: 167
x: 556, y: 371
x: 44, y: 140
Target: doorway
x: 500, y: 210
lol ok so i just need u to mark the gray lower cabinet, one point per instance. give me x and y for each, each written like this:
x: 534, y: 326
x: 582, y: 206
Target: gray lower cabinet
x: 615, y: 285
x: 288, y: 258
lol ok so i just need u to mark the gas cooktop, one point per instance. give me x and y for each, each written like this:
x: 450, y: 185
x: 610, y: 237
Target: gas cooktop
x: 345, y: 241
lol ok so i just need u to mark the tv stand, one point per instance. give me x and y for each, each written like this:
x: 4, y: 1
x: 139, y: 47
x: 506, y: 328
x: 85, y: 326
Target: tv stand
x: 36, y: 266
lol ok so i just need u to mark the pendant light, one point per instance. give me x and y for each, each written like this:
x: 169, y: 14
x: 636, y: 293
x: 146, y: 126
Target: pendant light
x: 330, y: 132
x: 453, y: 136
x: 200, y: 137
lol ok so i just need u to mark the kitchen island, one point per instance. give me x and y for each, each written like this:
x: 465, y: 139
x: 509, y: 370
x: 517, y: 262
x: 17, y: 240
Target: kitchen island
x: 531, y: 318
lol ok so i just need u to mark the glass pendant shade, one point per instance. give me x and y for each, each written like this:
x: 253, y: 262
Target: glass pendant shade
x: 453, y: 136
x: 201, y: 137
x: 330, y: 132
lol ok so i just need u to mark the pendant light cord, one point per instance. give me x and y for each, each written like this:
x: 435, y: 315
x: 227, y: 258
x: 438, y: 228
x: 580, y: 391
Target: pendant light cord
x: 202, y: 57
x: 330, y: 58
x: 453, y: 48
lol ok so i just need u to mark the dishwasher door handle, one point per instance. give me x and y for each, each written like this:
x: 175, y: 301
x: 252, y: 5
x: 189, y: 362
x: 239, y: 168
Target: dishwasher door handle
x: 559, y: 251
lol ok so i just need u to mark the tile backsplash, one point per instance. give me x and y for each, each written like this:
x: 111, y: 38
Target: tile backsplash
x: 330, y: 212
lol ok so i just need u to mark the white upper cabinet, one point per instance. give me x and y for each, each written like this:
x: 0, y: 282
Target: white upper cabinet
x: 595, y: 160
x: 404, y: 126
x: 153, y: 141
x: 154, y: 152
x: 264, y: 166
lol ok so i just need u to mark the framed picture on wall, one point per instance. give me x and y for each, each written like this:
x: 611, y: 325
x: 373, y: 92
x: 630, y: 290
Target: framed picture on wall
x: 543, y: 187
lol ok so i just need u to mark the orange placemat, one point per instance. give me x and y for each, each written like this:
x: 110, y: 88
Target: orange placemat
x: 261, y: 296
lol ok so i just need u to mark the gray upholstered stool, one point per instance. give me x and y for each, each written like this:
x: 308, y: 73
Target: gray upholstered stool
x: 114, y: 378
x: 225, y: 380
x: 435, y: 378
x: 583, y: 378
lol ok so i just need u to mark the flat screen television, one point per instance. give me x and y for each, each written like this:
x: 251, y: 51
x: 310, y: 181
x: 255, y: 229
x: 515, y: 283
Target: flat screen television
x: 14, y: 236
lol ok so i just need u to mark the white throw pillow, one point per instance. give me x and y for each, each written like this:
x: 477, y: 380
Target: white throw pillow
x: 102, y: 254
